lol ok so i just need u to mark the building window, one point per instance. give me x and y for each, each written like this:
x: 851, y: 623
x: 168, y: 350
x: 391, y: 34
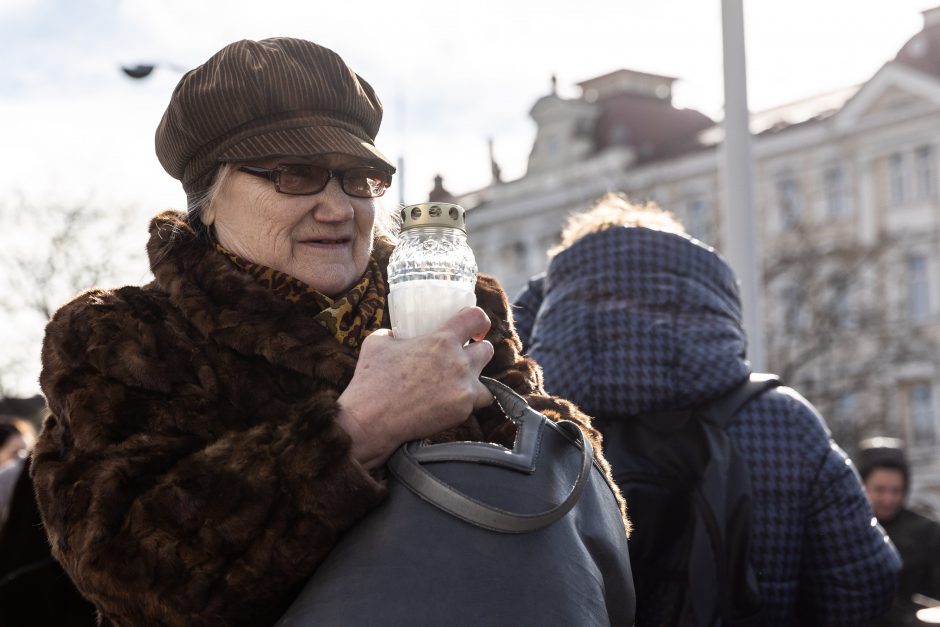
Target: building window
x: 792, y: 309
x: 846, y: 408
x: 834, y: 185
x: 896, y: 178
x: 520, y: 256
x: 507, y: 257
x: 923, y: 426
x: 584, y: 128
x: 788, y: 198
x: 918, y: 288
x: 840, y: 303
x: 923, y: 160
x: 696, y: 213
x: 484, y: 261
x: 550, y: 145
x: 619, y: 135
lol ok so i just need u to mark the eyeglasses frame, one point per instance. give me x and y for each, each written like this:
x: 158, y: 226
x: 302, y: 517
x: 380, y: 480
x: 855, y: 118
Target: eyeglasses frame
x: 274, y: 175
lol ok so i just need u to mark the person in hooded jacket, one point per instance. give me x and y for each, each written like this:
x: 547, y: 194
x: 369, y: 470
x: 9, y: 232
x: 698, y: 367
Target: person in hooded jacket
x: 634, y: 317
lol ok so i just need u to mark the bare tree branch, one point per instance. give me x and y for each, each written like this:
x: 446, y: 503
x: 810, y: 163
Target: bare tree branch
x: 52, y: 252
x: 831, y: 331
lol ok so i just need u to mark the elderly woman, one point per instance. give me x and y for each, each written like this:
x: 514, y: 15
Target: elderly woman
x: 212, y: 433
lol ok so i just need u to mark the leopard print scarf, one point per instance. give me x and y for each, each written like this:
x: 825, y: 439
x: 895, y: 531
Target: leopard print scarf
x: 350, y: 318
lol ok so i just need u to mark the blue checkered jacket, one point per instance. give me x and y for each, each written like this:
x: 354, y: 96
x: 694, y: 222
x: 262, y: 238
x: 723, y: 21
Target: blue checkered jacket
x: 630, y: 321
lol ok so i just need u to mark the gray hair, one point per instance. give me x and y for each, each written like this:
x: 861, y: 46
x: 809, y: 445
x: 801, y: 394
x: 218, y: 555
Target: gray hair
x: 199, y: 202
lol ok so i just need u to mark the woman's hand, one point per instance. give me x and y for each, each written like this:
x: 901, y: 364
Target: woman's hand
x: 411, y: 389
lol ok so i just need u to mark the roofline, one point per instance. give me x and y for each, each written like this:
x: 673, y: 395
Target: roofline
x: 636, y: 72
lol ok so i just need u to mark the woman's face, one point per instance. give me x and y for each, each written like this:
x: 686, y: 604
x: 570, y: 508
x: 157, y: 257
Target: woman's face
x: 323, y: 240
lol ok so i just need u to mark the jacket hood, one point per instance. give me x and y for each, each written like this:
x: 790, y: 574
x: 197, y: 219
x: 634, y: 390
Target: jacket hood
x: 634, y: 320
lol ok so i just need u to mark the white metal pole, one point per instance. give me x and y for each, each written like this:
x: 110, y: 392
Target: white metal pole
x: 401, y: 180
x: 741, y: 243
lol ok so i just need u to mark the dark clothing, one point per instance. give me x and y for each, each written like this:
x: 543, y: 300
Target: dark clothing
x: 630, y: 321
x: 192, y: 471
x: 34, y: 590
x: 917, y: 539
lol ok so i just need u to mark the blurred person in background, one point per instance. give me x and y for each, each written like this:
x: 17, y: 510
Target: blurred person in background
x: 633, y: 317
x: 916, y: 534
x: 214, y: 432
x: 33, y: 588
x: 17, y: 437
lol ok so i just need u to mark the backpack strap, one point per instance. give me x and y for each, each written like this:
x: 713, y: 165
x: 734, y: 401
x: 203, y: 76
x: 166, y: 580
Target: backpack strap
x: 722, y: 410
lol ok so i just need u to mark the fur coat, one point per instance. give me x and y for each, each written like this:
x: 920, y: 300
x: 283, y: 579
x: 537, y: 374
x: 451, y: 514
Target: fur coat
x: 191, y: 471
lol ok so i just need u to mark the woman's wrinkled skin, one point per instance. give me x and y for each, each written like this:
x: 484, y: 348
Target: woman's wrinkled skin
x: 323, y: 239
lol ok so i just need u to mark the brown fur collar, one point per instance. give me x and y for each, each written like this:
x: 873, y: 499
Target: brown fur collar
x: 229, y: 307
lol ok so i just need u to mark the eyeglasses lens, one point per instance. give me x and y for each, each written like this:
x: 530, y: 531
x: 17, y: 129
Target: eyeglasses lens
x: 365, y: 182
x: 303, y: 179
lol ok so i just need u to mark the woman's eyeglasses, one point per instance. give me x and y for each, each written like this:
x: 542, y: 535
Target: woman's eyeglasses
x: 304, y: 179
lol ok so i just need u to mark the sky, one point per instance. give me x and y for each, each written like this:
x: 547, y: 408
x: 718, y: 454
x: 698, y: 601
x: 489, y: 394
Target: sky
x: 451, y: 75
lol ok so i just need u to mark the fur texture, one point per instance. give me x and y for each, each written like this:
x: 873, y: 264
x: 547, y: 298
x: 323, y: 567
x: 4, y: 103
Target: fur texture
x: 191, y: 471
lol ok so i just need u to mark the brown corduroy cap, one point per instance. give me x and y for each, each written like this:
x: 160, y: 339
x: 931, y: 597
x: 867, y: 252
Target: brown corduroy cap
x: 278, y: 97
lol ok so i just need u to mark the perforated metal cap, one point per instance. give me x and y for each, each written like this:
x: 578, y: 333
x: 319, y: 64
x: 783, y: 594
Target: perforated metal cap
x: 433, y: 214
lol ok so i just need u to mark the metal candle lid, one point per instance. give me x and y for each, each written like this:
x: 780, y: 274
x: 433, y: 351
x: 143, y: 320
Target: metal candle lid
x: 433, y: 214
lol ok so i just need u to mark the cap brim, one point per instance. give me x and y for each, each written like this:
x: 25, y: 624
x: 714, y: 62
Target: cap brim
x: 304, y: 142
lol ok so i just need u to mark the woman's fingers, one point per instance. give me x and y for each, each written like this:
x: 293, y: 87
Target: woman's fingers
x: 468, y: 323
x: 479, y: 354
x: 483, y: 398
x: 379, y: 422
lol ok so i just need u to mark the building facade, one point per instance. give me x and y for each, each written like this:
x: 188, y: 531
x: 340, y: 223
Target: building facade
x: 848, y: 213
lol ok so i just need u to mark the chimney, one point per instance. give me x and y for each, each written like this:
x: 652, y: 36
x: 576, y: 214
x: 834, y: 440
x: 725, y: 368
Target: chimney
x: 931, y: 17
x: 439, y: 193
